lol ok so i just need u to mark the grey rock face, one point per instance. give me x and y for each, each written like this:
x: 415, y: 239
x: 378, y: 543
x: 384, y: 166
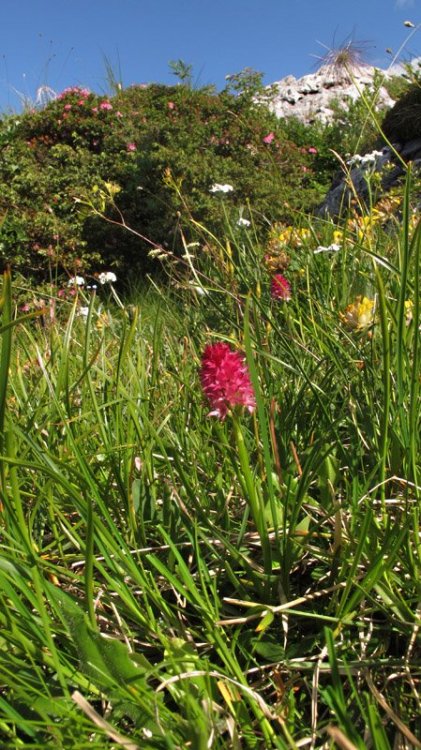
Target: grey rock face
x: 388, y: 163
x: 311, y: 97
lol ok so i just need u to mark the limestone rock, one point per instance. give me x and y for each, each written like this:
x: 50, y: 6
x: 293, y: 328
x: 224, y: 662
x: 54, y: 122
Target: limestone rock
x: 311, y: 97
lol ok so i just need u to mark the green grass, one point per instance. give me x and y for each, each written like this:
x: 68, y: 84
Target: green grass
x: 168, y: 580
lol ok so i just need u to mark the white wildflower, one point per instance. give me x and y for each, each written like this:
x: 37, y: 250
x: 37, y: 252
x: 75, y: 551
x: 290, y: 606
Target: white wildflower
x: 373, y: 158
x: 218, y: 188
x: 76, y: 281
x: 83, y: 312
x: 333, y: 248
x: 243, y: 222
x: 107, y: 277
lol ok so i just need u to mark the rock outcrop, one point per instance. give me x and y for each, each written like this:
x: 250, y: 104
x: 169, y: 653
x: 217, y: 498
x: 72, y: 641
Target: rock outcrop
x: 388, y: 164
x: 312, y: 97
x: 402, y: 132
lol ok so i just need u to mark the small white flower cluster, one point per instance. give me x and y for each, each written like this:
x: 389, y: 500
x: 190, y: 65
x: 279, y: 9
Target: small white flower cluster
x: 76, y: 281
x: 243, y: 222
x: 218, y: 188
x: 372, y: 159
x: 333, y: 248
x: 159, y: 253
x: 107, y: 277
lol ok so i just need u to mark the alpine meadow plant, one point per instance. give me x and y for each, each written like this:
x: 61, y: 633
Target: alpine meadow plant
x: 280, y: 288
x: 84, y: 168
x: 210, y: 489
x: 227, y: 386
x: 225, y: 380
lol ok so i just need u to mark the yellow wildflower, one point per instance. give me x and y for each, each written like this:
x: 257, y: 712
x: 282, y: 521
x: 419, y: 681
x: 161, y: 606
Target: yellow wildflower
x: 290, y: 236
x: 409, y: 306
x: 359, y: 314
x: 103, y: 321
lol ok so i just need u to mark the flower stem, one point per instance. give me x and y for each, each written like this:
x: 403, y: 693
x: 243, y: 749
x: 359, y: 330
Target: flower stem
x: 253, y: 496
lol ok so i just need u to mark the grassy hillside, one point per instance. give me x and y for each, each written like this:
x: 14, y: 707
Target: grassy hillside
x: 210, y: 485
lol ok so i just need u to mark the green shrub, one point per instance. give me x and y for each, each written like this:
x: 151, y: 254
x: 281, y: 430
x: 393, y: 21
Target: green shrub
x: 164, y: 147
x: 396, y: 86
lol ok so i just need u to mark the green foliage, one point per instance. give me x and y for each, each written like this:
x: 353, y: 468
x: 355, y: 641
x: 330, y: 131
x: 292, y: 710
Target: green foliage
x: 183, y: 71
x: 396, y: 86
x: 164, y: 147
x: 183, y: 581
x: 352, y: 130
x: 170, y: 580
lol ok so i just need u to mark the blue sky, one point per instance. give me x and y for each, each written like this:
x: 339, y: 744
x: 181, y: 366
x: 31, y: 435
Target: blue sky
x: 61, y: 43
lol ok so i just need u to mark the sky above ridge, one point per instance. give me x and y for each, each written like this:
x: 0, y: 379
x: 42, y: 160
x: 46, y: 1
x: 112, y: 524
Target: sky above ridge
x: 60, y: 43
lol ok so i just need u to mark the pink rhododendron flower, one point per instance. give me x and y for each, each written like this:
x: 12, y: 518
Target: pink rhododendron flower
x: 106, y: 106
x: 269, y: 138
x: 118, y: 114
x: 312, y: 150
x: 280, y: 288
x: 95, y: 110
x: 225, y: 380
x: 74, y: 90
x: 67, y: 107
x: 171, y: 105
x: 131, y: 147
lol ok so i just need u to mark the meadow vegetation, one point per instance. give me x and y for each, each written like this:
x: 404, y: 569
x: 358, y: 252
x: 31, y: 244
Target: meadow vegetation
x: 209, y: 465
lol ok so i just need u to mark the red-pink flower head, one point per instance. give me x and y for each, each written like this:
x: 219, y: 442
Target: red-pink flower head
x: 269, y: 138
x: 280, y: 288
x: 225, y: 380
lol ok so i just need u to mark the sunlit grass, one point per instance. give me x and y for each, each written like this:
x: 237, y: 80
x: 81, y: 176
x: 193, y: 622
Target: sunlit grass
x: 143, y: 602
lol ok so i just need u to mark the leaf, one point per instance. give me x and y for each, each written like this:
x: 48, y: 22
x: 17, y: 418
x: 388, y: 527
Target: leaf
x: 6, y: 349
x: 105, y: 660
x: 265, y: 622
x: 269, y: 650
x: 136, y: 487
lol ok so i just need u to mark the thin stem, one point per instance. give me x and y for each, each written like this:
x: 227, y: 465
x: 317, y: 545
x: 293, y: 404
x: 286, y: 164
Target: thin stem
x: 253, y: 496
